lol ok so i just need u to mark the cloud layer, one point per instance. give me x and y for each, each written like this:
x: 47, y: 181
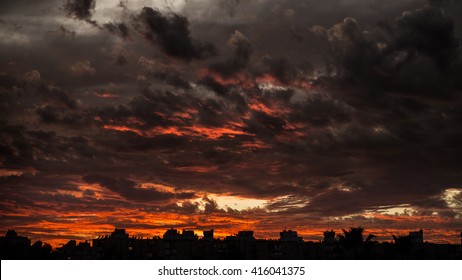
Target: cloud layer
x: 230, y: 114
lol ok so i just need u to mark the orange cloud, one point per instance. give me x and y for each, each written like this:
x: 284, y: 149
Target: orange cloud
x: 246, y: 81
x: 107, y: 95
x: 57, y: 226
x: 256, y: 144
x: 194, y: 131
x: 199, y: 169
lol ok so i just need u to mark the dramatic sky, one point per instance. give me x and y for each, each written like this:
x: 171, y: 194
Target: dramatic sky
x: 230, y: 114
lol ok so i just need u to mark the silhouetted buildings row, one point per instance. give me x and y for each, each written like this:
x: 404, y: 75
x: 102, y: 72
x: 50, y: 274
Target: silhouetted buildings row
x: 187, y: 245
x: 353, y: 245
x: 13, y: 246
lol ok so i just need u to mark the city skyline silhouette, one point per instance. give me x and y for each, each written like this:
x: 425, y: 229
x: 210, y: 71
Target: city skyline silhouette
x: 185, y: 244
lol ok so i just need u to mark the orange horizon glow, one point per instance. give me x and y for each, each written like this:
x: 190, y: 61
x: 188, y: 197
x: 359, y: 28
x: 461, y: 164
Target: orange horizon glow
x: 57, y: 222
x: 91, y: 232
x: 87, y: 225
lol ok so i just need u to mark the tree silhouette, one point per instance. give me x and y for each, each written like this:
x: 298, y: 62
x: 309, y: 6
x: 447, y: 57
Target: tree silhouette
x: 352, y: 240
x: 370, y: 238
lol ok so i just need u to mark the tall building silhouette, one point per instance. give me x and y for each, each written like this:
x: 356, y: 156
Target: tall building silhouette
x: 416, y: 236
x: 13, y: 246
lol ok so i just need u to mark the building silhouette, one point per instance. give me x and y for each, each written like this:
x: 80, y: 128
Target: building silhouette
x: 416, y: 237
x: 329, y: 237
x: 291, y: 245
x: 13, y: 246
x: 114, y: 246
x: 186, y: 245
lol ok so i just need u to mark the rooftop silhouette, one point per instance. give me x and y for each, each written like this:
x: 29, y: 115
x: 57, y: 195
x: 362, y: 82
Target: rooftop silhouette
x: 243, y: 245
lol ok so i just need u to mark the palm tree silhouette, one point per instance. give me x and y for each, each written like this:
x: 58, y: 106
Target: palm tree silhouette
x: 353, y: 240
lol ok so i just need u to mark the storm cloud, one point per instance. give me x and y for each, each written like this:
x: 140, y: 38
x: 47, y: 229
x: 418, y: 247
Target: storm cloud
x: 277, y: 114
x: 173, y: 34
x: 80, y: 9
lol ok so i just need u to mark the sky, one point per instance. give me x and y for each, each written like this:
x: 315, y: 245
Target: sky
x: 232, y: 115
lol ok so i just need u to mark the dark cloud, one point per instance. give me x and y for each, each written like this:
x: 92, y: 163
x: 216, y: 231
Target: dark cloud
x: 173, y: 35
x: 213, y: 85
x: 393, y: 46
x: 83, y: 10
x: 118, y: 28
x: 184, y: 208
x: 57, y: 96
x: 283, y: 70
x: 129, y: 189
x: 240, y: 58
x: 172, y: 78
x: 210, y: 205
x: 426, y: 31
x: 66, y: 32
x: 80, y: 9
x: 121, y: 60
x: 321, y: 112
x: 440, y: 3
